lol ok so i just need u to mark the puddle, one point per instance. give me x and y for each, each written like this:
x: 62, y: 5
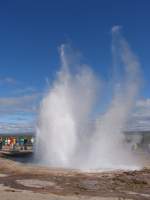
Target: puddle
x: 35, y: 183
x: 3, y: 175
x: 140, y: 194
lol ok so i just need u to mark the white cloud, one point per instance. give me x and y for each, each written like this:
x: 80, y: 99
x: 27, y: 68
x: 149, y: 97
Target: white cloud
x: 18, y: 108
x: 26, y: 90
x: 17, y: 127
x: 7, y: 80
x: 26, y: 103
x: 143, y: 103
x: 18, y: 114
x: 140, y: 119
x: 116, y: 28
x: 143, y: 108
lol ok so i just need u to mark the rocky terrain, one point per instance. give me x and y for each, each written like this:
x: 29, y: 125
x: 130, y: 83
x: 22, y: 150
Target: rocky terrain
x: 20, y: 181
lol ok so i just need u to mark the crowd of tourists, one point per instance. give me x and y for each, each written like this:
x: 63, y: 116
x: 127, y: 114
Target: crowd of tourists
x: 16, y: 142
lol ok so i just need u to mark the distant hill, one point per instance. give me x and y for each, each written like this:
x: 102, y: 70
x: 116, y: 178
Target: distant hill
x: 17, y: 134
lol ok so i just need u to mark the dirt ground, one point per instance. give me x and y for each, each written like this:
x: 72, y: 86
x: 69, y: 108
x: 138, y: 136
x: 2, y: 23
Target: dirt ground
x: 20, y: 181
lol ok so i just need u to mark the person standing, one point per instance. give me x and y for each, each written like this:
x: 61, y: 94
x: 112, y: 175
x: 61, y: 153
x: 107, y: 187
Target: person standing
x: 1, y: 143
x: 14, y: 143
x: 8, y: 141
x: 25, y: 143
x: 22, y: 143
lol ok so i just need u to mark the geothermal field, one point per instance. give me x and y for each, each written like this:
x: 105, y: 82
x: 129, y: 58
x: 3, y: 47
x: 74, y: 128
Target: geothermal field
x: 74, y: 127
x: 36, y: 183
x: 80, y: 152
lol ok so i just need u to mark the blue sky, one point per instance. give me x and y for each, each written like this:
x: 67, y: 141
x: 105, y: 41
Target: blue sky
x: 31, y: 32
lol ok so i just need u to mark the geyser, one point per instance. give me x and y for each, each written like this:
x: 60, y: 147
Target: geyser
x: 66, y: 134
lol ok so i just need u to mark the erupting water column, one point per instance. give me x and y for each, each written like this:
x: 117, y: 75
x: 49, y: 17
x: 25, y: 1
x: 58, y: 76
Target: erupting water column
x: 64, y: 136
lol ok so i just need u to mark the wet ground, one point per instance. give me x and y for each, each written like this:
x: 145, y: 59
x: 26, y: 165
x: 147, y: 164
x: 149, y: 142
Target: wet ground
x: 17, y: 180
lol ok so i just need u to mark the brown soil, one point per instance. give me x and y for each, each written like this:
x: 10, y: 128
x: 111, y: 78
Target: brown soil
x: 70, y: 183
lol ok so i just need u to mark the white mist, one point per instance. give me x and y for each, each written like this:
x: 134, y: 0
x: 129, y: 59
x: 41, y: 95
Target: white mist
x: 65, y: 137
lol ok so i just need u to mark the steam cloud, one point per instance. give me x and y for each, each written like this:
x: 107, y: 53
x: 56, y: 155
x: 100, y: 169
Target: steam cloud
x: 65, y: 138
